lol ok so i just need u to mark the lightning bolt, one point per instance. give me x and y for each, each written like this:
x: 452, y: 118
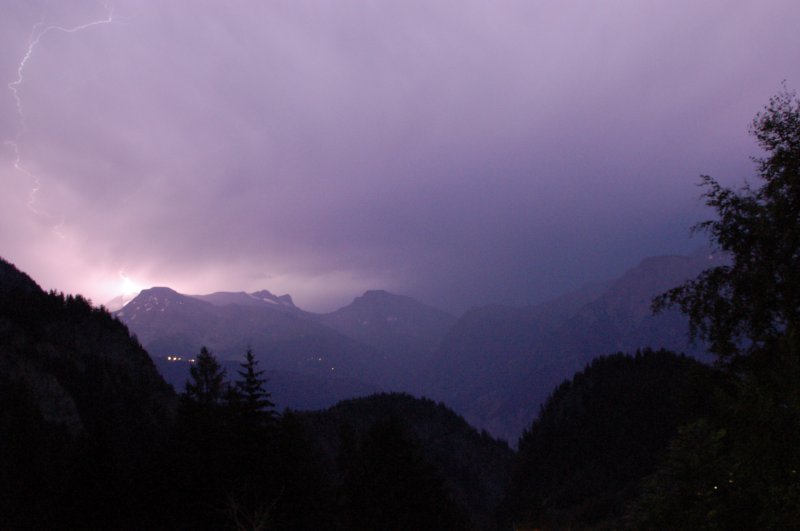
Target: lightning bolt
x: 39, y: 32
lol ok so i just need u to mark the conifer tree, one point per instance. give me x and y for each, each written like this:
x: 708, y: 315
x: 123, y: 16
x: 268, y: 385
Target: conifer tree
x: 252, y: 401
x: 207, y: 384
x: 204, y: 456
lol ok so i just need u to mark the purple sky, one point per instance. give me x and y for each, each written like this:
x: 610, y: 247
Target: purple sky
x: 460, y: 152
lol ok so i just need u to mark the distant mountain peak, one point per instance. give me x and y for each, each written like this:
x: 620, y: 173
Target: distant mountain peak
x: 267, y: 296
x: 162, y: 291
x: 263, y: 298
x: 158, y: 298
x: 157, y: 295
x: 263, y: 294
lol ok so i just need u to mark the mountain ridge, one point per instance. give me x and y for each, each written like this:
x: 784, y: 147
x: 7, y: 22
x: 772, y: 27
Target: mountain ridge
x: 498, y: 363
x: 380, y: 339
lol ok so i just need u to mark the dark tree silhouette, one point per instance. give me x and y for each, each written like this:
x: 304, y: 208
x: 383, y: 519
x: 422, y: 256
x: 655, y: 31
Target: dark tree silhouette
x: 251, y: 401
x: 749, y: 312
x: 207, y: 384
x: 389, y: 485
x: 203, y: 456
x: 751, y: 308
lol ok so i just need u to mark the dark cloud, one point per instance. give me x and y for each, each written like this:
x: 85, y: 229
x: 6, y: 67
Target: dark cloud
x: 461, y: 152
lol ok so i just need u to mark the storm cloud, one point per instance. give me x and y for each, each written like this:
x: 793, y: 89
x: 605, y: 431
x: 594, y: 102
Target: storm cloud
x: 461, y: 152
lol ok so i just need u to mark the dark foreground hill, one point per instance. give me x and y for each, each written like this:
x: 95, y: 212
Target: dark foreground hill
x: 582, y: 461
x: 82, y: 408
x: 389, y: 446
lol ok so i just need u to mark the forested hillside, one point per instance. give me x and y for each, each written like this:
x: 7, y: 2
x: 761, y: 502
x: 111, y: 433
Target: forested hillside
x: 83, y: 409
x: 472, y: 469
x: 599, y: 434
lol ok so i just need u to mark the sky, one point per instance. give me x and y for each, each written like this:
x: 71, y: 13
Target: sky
x: 460, y: 152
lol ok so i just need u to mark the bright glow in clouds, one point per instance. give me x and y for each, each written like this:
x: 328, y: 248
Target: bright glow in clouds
x: 462, y: 153
x: 129, y: 286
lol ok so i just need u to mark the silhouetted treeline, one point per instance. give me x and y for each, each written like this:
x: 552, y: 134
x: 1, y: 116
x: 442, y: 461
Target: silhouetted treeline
x: 432, y: 447
x: 365, y: 464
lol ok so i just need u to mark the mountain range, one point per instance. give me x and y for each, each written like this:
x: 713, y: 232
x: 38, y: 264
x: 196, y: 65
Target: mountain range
x: 495, y: 364
x: 379, y: 342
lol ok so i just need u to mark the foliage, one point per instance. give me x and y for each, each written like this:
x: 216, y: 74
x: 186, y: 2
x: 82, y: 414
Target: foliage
x: 750, y: 449
x: 83, y: 411
x: 473, y: 467
x: 250, y: 399
x: 750, y: 308
x: 737, y: 468
x: 232, y: 461
x: 389, y: 485
x: 207, y: 385
x: 599, y: 434
x: 687, y: 489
